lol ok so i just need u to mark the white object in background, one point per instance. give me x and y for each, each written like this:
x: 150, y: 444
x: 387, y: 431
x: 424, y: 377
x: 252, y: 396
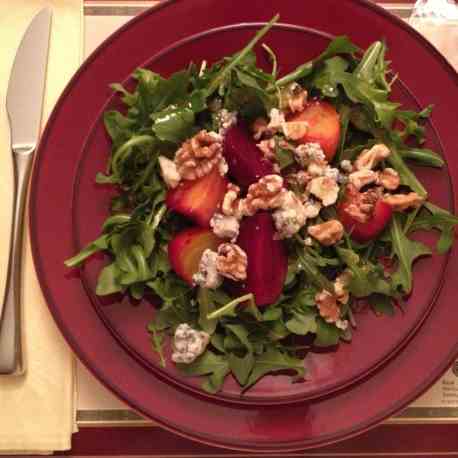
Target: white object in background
x: 437, y: 20
x: 435, y: 10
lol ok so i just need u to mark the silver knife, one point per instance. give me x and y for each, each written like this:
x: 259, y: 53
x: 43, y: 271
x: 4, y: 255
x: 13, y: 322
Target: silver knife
x: 24, y: 104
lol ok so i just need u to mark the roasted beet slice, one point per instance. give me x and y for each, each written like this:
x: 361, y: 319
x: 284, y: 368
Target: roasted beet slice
x: 186, y: 248
x: 370, y: 230
x: 245, y: 160
x: 267, y: 259
x: 323, y: 126
x: 198, y: 199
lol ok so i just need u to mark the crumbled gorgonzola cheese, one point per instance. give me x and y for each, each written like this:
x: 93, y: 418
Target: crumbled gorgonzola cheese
x: 277, y: 119
x: 290, y: 217
x: 308, y: 153
x: 226, y: 119
x: 325, y: 188
x: 226, y: 227
x: 208, y: 276
x: 188, y: 344
x: 342, y: 324
x: 346, y: 165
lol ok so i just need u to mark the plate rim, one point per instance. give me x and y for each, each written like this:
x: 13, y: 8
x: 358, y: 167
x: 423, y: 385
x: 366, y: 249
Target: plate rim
x: 49, y: 297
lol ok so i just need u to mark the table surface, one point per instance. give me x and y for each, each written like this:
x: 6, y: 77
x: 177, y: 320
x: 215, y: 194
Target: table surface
x: 101, y: 416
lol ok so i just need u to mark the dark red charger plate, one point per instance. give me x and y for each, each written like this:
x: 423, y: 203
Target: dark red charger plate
x: 305, y: 424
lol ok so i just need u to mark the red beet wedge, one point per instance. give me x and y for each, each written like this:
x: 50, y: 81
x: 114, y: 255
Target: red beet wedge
x: 323, y: 126
x: 363, y: 232
x: 186, y: 248
x: 198, y: 199
x: 245, y: 160
x: 267, y: 259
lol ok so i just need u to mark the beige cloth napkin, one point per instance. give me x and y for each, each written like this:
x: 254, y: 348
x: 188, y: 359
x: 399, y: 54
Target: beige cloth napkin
x: 37, y: 410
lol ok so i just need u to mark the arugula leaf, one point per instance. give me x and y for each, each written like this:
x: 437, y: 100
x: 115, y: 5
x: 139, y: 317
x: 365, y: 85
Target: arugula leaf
x: 327, y: 335
x: 284, y: 156
x: 345, y: 112
x: 97, y: 245
x: 241, y: 367
x: 108, y: 281
x: 360, y: 91
x: 215, y: 366
x: 174, y: 124
x: 330, y: 75
x: 303, y: 322
x: 217, y: 340
x: 373, y: 67
x: 310, y: 266
x: 274, y: 360
x: 305, y: 298
x: 381, y: 305
x: 157, y: 340
x: 241, y: 333
x: 367, y: 278
x: 239, y: 57
x: 118, y: 126
x: 408, y: 178
x: 230, y: 307
x: 205, y: 307
x: 410, y: 121
x: 340, y: 45
x: 272, y: 314
x: 407, y: 251
x: 169, y: 289
x: 422, y: 156
x: 433, y: 217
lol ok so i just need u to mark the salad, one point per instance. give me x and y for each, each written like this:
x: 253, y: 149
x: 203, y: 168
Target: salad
x: 262, y: 210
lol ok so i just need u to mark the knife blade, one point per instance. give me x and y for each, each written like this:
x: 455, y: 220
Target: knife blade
x: 24, y: 99
x: 24, y: 103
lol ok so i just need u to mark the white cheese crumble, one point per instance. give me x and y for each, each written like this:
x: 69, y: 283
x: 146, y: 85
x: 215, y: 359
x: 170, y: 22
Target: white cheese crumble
x: 226, y: 119
x: 169, y: 172
x: 277, y: 119
x: 325, y: 188
x: 226, y: 227
x: 290, y: 217
x: 332, y: 172
x: 346, y: 165
x: 309, y: 152
x: 317, y: 169
x: 188, y: 344
x: 341, y: 324
x: 208, y: 276
x: 308, y: 241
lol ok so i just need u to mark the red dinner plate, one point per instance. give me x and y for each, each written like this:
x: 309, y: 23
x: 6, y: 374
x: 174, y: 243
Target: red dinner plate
x: 67, y: 209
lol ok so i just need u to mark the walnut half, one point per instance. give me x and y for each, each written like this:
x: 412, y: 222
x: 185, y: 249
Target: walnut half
x: 389, y: 179
x: 198, y: 155
x: 328, y: 306
x: 232, y: 262
x: 369, y: 158
x: 327, y: 233
x: 401, y: 202
x: 232, y: 204
x: 265, y: 194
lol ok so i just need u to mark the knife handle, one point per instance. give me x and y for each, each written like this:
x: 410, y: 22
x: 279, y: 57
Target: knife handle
x: 11, y: 357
